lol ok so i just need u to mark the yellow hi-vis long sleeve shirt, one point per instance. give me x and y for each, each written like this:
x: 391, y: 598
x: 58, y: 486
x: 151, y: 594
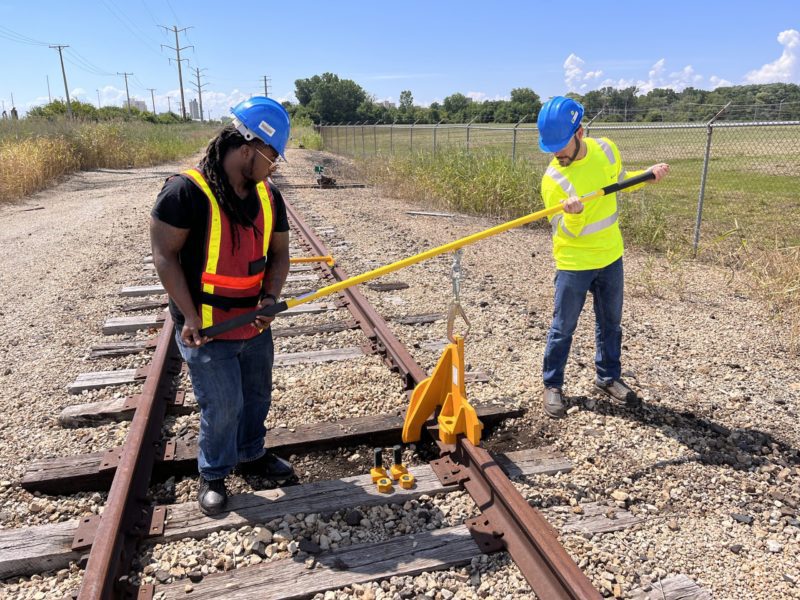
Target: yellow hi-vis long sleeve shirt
x: 590, y: 239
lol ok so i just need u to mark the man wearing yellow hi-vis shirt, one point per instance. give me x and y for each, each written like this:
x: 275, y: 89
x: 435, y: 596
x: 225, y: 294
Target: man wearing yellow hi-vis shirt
x: 587, y: 246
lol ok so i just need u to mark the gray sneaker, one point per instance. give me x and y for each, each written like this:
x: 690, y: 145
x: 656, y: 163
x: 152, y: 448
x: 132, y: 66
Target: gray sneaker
x: 553, y: 402
x: 618, y: 390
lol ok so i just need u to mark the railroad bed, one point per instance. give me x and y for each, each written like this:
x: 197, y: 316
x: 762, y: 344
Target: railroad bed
x: 588, y: 485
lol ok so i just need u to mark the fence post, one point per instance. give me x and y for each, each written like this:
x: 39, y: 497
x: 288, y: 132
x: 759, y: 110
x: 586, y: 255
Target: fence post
x: 514, y: 141
x: 468, y: 126
x: 434, y: 136
x: 391, y: 137
x: 337, y: 126
x: 698, y: 220
x: 592, y: 120
x: 411, y: 146
x: 363, y: 148
x: 375, y: 136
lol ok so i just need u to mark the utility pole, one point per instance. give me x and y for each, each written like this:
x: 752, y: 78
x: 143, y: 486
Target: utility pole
x: 125, y: 75
x: 153, y: 98
x: 169, y: 103
x: 199, y: 87
x: 98, y: 97
x: 178, y: 49
x: 61, y: 47
x: 49, y: 97
x: 266, y: 85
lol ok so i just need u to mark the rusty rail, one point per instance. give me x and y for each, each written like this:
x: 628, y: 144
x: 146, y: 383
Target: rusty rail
x: 126, y: 516
x: 507, y: 521
x: 368, y: 319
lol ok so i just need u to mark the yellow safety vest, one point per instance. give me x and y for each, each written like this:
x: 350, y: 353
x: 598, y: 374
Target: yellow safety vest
x: 590, y: 239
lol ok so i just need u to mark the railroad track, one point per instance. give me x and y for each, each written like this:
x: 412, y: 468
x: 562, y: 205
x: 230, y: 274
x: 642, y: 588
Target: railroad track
x: 106, y: 545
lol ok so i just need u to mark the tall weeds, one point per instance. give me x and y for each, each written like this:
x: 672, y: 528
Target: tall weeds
x: 34, y: 155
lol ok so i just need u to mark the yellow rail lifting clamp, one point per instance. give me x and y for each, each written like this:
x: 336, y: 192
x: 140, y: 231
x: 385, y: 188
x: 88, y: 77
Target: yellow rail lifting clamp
x: 377, y: 472
x: 446, y: 386
x: 274, y: 309
x: 313, y: 259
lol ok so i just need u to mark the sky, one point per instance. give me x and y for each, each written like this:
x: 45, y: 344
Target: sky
x: 434, y: 49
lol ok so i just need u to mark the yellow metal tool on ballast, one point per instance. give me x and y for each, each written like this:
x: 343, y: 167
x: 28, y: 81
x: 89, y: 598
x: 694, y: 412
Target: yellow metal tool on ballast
x: 279, y: 307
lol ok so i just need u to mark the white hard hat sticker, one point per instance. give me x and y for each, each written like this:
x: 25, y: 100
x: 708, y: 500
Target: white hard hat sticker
x: 266, y: 128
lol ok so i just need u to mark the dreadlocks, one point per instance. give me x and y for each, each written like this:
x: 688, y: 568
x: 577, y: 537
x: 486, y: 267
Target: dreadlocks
x: 211, y: 166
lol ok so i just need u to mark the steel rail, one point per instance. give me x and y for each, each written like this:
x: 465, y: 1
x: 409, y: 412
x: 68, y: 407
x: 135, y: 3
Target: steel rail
x: 508, y: 522
x: 123, y: 513
x: 368, y: 319
x: 518, y: 528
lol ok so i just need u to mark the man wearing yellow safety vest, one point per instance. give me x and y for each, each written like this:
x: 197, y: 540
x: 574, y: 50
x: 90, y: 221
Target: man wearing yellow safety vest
x: 587, y: 246
x: 220, y: 240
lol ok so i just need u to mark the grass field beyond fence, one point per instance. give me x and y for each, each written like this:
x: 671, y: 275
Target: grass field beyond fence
x: 35, y: 154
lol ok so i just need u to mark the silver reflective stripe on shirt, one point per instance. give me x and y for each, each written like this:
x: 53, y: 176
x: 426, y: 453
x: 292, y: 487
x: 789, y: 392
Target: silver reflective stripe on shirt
x: 562, y: 181
x: 622, y: 176
x: 607, y: 149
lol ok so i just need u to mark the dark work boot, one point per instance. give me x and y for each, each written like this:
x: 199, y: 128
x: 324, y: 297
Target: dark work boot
x: 269, y: 467
x: 212, y: 496
x: 618, y: 390
x: 553, y: 402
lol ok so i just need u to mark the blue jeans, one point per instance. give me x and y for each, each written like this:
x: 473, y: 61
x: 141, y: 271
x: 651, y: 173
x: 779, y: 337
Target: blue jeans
x: 232, y: 382
x: 606, y: 285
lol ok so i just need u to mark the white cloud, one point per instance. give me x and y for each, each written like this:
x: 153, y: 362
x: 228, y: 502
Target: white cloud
x: 482, y: 97
x: 574, y: 76
x: 657, y: 78
x: 784, y: 68
x: 718, y: 82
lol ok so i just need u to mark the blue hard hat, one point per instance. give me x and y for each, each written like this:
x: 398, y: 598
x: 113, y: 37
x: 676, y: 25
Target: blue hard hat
x: 558, y: 121
x: 263, y: 118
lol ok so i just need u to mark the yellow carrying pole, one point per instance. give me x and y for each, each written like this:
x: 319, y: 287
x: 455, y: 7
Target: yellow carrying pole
x: 274, y: 309
x: 312, y: 259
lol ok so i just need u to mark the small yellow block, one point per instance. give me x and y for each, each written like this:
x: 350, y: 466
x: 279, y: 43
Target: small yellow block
x: 398, y: 471
x: 384, y: 485
x: 378, y: 473
x: 407, y: 481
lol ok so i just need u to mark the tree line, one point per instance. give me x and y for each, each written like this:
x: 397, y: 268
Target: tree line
x: 327, y: 98
x: 84, y: 111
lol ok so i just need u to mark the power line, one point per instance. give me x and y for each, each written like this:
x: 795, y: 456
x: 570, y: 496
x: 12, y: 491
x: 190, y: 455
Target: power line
x: 178, y: 49
x: 19, y: 38
x: 122, y: 18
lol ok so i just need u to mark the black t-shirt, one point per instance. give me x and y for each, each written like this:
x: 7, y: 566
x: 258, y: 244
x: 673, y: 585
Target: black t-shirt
x: 182, y: 204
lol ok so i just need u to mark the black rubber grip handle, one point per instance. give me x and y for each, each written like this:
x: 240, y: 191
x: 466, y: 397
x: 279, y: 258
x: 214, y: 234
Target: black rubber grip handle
x: 616, y: 187
x: 243, y: 319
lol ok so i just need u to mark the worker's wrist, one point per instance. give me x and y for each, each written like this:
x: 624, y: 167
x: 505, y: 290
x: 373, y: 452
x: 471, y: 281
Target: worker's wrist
x: 268, y: 295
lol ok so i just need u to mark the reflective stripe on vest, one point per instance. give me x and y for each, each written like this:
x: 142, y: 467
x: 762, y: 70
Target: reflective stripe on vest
x: 565, y: 184
x: 215, y: 283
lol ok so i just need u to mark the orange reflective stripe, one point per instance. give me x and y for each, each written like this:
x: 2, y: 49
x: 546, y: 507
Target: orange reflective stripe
x: 231, y: 282
x: 266, y: 209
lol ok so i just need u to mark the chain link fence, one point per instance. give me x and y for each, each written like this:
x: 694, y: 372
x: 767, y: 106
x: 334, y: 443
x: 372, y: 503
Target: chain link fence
x: 741, y: 178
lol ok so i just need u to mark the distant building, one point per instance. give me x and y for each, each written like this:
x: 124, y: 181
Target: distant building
x: 388, y: 104
x: 140, y: 104
x: 194, y: 109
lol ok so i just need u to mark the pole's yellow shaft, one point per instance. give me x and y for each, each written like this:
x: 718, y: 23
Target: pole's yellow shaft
x: 412, y: 260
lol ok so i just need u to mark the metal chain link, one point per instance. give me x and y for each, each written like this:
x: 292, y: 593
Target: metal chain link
x: 455, y: 309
